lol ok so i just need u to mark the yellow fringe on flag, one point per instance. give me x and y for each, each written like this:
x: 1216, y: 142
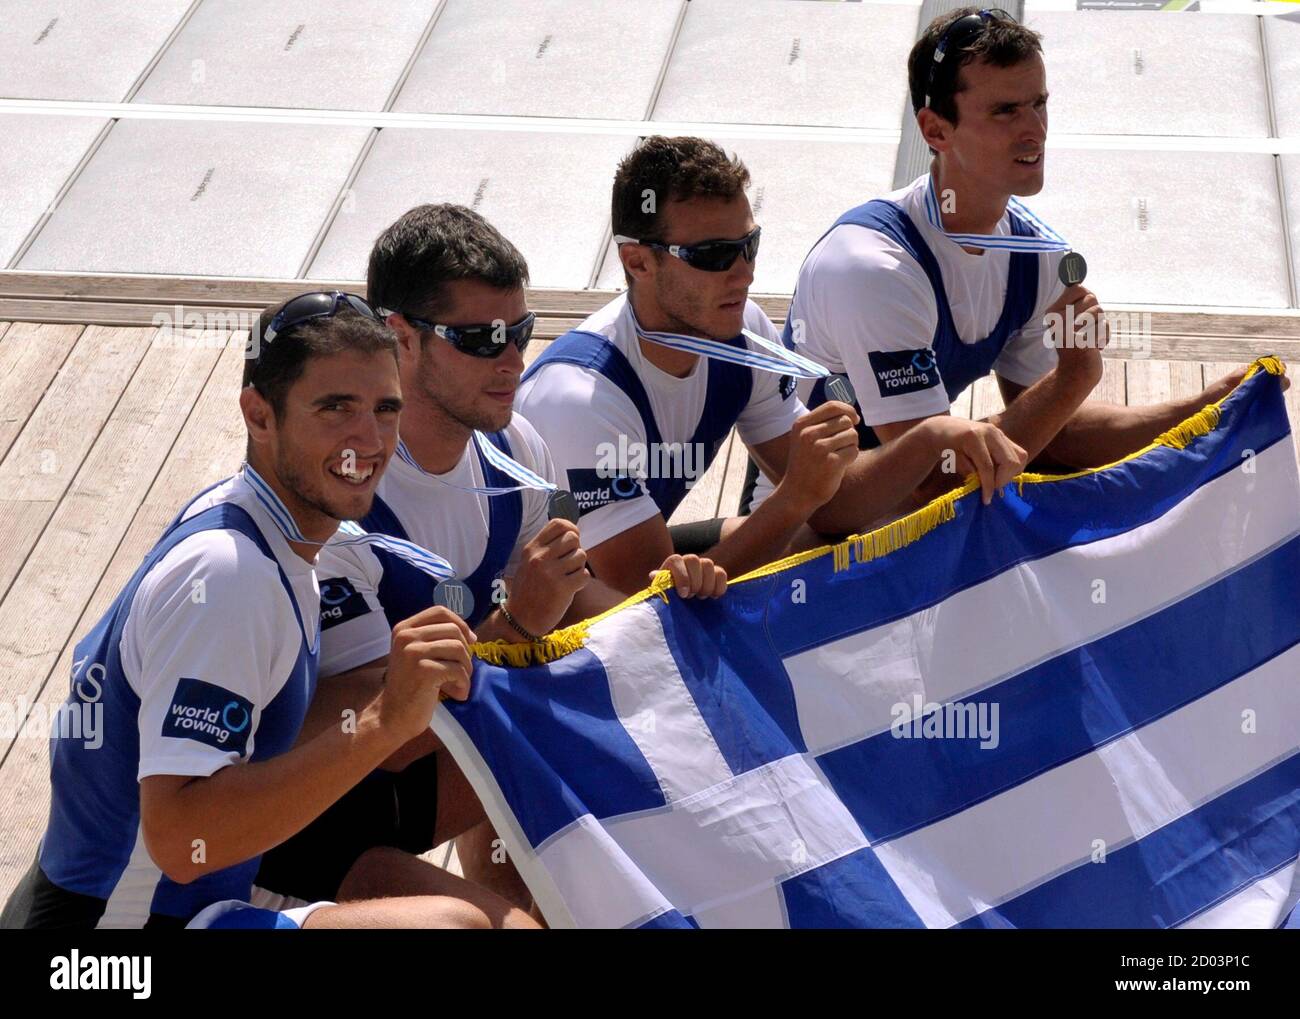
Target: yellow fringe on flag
x: 862, y: 547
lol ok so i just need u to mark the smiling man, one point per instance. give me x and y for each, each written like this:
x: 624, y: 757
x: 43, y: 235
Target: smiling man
x: 917, y: 295
x: 636, y: 401
x: 206, y: 662
x: 469, y: 482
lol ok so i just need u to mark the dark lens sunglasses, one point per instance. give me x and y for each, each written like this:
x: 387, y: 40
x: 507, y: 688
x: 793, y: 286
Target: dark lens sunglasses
x: 490, y: 340
x: 710, y: 256
x: 321, y: 304
x: 957, y: 36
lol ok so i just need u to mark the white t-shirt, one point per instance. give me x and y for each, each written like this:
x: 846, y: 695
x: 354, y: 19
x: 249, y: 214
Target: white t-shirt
x: 859, y: 292
x: 446, y: 520
x: 589, y: 423
x: 214, y: 610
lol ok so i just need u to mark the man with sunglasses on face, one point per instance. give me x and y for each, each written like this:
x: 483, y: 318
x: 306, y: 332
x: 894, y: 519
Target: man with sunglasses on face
x: 203, y: 668
x: 917, y: 295
x: 468, y: 481
x: 634, y: 403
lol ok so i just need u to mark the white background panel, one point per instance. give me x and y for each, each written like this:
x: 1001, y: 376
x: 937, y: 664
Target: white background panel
x: 205, y: 199
x: 777, y: 62
x: 542, y: 58
x: 798, y: 189
x: 548, y: 193
x: 1282, y: 39
x: 38, y: 155
x: 1149, y: 73
x: 81, y: 49
x: 301, y: 54
x: 1170, y: 227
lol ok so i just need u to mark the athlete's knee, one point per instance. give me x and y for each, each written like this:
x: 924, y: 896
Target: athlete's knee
x: 416, y: 912
x: 383, y: 872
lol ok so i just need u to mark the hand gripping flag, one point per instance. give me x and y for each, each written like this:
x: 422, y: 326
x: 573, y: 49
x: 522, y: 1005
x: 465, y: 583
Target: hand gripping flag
x: 1076, y: 707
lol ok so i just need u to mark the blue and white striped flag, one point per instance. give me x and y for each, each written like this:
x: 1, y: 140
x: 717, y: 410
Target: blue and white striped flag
x: 1076, y: 707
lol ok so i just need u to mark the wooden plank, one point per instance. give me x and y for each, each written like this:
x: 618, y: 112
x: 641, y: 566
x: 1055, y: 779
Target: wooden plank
x: 30, y: 357
x: 245, y: 292
x: 961, y: 407
x: 535, y: 347
x: 94, y: 514
x: 49, y: 451
x: 84, y: 297
x: 986, y: 398
x: 1184, y: 379
x: 210, y: 446
x: 1146, y: 382
x: 1111, y: 388
x: 701, y: 502
x: 733, y: 482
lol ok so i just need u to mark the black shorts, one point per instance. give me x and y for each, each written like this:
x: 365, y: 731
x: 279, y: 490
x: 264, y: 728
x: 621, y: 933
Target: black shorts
x: 37, y: 903
x: 397, y: 809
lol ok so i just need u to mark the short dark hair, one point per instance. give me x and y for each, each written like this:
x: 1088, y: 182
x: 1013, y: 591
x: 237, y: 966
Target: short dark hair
x: 1002, y: 43
x: 280, y: 363
x: 433, y: 245
x: 670, y: 170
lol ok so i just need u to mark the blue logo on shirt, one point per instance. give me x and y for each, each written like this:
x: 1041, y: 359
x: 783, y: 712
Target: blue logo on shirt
x: 209, y: 714
x: 785, y: 385
x: 339, y: 602
x: 592, y: 491
x: 903, y: 371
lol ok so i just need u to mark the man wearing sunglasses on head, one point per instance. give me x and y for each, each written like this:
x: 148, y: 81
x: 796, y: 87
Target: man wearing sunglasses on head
x: 635, y: 402
x: 917, y: 295
x: 469, y: 481
x: 202, y: 670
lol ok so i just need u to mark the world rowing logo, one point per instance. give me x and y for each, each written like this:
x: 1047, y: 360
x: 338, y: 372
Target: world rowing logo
x: 208, y: 713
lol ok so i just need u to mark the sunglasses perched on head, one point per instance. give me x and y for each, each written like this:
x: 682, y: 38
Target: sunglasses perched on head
x: 957, y: 36
x: 320, y: 304
x: 487, y: 340
x: 710, y: 256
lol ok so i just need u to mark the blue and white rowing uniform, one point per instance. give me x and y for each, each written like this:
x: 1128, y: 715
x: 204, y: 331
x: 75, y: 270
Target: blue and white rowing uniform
x: 366, y: 591
x: 913, y: 318
x: 205, y: 660
x: 628, y: 438
x: 888, y: 298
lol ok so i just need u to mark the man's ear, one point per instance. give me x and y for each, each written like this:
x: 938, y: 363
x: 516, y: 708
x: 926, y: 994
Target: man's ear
x: 259, y: 416
x: 637, y: 259
x: 408, y: 337
x: 935, y: 130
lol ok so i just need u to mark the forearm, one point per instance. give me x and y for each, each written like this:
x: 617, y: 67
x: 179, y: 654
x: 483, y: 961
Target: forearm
x: 762, y: 535
x: 1101, y: 433
x: 243, y: 810
x: 342, y: 697
x: 592, y: 600
x: 1035, y: 418
x: 879, y: 482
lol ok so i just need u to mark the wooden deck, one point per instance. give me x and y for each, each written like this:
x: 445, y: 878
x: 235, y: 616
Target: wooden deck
x: 105, y: 431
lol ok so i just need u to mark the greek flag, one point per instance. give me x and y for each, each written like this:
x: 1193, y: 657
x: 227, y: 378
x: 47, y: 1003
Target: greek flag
x: 1076, y: 707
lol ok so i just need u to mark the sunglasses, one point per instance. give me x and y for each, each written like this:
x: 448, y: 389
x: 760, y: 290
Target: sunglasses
x: 957, y: 36
x: 320, y: 304
x: 709, y: 256
x: 490, y: 340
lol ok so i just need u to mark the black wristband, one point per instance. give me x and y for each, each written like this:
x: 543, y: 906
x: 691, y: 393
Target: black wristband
x: 532, y: 638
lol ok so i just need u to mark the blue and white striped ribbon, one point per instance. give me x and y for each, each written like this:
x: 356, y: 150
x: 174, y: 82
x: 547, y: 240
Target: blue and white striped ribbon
x: 507, y: 465
x: 1049, y: 239
x: 349, y: 532
x: 783, y: 362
